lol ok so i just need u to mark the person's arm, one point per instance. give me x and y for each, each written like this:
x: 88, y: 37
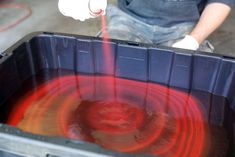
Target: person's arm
x: 212, y: 17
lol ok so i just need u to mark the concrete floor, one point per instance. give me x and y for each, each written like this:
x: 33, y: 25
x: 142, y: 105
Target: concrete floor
x: 46, y: 17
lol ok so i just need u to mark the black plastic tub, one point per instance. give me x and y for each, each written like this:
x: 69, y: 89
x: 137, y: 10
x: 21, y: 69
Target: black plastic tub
x: 210, y: 78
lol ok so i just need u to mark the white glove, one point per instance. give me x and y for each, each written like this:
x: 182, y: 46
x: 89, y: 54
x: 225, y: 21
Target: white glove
x: 82, y: 9
x: 188, y: 42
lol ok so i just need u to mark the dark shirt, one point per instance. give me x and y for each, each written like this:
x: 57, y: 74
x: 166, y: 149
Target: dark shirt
x: 167, y: 12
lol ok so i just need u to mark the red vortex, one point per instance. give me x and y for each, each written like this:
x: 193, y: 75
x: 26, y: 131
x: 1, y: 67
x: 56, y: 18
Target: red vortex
x: 113, y: 116
x: 118, y: 114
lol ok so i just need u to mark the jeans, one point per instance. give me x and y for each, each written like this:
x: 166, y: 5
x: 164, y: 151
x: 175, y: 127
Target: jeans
x: 123, y: 26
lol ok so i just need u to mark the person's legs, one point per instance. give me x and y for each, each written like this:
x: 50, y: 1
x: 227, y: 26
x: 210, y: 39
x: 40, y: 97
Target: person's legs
x: 124, y: 27
x: 168, y: 35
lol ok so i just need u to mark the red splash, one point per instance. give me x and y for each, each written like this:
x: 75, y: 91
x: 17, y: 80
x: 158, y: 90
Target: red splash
x: 113, y: 116
x: 119, y: 114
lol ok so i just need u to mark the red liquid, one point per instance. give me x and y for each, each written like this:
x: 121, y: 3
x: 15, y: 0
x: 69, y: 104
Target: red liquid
x: 118, y: 114
x: 106, y: 45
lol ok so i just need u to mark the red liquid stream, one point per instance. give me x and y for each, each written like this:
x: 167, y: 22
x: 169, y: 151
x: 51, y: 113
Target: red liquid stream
x: 106, y: 45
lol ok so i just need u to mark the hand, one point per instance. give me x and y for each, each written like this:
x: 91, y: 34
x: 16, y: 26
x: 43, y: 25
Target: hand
x: 188, y: 42
x: 82, y: 9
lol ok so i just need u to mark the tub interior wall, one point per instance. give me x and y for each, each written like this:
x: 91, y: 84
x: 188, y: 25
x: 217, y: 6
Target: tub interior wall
x: 212, y: 74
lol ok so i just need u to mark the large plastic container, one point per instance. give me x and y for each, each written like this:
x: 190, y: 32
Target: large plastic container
x: 171, y: 67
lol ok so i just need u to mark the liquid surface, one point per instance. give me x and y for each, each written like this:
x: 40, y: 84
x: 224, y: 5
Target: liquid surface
x: 120, y: 114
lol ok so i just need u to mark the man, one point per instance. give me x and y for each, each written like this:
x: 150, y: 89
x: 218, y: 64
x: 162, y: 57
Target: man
x: 178, y: 23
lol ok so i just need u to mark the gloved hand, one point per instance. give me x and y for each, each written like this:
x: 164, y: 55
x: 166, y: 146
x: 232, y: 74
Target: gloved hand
x: 188, y: 42
x: 82, y: 9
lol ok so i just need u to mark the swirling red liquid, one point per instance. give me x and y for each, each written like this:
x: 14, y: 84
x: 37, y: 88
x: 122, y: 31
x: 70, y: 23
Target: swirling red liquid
x: 118, y: 114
